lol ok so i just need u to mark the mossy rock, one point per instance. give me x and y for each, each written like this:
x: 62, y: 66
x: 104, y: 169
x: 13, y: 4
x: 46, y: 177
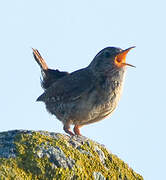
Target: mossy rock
x: 42, y: 155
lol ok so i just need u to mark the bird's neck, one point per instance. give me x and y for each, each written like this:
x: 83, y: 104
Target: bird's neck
x: 111, y: 75
x: 112, y: 82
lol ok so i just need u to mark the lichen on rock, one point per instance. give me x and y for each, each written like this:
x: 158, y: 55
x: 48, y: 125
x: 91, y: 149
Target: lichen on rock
x: 50, y: 156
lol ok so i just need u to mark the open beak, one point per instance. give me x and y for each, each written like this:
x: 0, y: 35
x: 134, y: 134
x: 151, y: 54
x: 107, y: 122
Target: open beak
x: 120, y: 59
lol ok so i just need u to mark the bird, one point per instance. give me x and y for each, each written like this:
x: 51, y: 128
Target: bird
x: 87, y: 95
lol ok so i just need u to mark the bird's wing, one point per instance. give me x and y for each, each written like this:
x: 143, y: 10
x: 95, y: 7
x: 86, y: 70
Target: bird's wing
x: 70, y: 87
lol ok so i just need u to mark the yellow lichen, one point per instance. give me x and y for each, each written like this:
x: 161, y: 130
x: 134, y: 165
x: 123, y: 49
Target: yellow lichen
x: 27, y: 165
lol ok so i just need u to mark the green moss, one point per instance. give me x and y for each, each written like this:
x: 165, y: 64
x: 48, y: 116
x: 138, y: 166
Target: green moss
x: 27, y: 165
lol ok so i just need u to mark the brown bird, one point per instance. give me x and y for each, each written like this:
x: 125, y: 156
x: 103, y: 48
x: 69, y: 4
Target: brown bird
x: 87, y: 95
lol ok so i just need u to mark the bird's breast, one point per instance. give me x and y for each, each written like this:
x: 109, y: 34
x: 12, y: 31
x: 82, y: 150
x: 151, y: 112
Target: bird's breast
x: 108, y: 96
x: 100, y: 102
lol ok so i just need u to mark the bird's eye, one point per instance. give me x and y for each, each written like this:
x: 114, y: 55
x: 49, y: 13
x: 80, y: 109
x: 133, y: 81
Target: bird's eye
x: 106, y: 54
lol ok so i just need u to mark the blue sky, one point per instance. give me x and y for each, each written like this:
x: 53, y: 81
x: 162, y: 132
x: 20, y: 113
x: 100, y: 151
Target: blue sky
x: 69, y: 34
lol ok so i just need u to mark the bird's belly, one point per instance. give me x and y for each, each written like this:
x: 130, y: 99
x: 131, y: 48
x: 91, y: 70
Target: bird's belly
x: 103, y: 106
x: 99, y: 111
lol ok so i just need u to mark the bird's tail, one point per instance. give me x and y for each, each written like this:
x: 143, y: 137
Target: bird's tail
x: 49, y: 75
x: 39, y: 59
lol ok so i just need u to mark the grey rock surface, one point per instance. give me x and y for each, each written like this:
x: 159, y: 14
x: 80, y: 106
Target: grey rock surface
x: 47, y: 155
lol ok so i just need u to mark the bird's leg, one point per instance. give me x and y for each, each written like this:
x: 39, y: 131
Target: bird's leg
x: 67, y: 129
x: 77, y: 130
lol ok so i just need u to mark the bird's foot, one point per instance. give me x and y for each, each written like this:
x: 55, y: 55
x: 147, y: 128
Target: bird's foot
x: 67, y: 129
x: 77, y: 130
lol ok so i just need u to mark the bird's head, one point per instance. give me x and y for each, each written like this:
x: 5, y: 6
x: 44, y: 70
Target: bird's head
x: 110, y: 58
